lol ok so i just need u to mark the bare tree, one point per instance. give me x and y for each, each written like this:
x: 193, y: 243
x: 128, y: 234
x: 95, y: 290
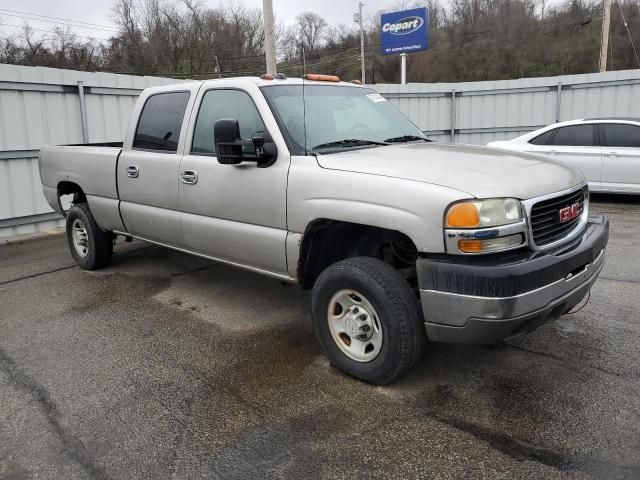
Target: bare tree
x: 468, y: 40
x: 311, y: 29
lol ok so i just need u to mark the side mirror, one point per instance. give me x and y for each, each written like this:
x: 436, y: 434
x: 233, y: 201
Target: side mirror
x: 226, y: 135
x: 232, y: 150
x: 266, y: 150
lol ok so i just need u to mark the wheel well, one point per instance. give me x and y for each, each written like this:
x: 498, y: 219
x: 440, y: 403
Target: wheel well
x: 70, y: 188
x: 328, y: 241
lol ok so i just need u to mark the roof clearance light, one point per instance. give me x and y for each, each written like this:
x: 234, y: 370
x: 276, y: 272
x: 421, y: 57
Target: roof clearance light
x: 277, y: 76
x: 316, y: 77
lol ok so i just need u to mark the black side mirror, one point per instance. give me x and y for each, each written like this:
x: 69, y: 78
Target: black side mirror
x: 226, y: 135
x: 230, y: 148
x: 266, y: 150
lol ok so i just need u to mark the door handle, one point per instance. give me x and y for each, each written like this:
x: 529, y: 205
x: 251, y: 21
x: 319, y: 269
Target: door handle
x: 190, y: 177
x: 611, y: 154
x: 553, y: 152
x: 133, y: 171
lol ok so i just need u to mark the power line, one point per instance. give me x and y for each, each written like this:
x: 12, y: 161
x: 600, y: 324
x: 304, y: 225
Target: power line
x: 50, y: 31
x: 555, y: 28
x: 626, y: 25
x: 56, y: 22
x: 324, y: 61
x: 345, y: 56
x: 66, y: 20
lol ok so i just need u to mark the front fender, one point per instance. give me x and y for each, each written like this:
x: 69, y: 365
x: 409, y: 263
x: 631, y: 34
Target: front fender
x: 410, y: 207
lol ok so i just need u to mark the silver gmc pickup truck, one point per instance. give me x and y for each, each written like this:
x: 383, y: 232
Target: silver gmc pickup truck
x: 327, y: 185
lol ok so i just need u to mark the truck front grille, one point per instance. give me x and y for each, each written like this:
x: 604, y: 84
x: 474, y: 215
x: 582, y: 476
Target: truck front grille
x: 546, y: 218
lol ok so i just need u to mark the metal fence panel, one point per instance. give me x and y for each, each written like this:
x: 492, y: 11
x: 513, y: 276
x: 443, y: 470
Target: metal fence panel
x: 504, y: 109
x: 40, y: 106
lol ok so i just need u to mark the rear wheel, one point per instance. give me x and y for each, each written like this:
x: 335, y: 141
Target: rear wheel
x: 90, y: 246
x: 367, y: 319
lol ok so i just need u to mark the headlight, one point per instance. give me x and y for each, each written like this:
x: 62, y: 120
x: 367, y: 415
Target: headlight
x: 484, y: 226
x: 493, y: 212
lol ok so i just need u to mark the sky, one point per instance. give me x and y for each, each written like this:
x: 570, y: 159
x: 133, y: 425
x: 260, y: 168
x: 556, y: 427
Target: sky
x: 98, y: 12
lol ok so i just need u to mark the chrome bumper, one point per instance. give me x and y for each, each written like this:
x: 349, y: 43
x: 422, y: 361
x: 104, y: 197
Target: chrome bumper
x: 441, y: 304
x: 478, y: 319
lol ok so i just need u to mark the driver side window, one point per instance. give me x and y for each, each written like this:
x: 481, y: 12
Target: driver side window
x: 218, y: 104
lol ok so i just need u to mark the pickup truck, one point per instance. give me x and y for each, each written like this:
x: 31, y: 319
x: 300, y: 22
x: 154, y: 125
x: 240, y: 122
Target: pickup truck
x: 325, y: 184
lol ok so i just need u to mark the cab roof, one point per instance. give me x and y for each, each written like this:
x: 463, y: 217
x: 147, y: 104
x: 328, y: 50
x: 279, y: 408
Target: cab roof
x: 289, y: 81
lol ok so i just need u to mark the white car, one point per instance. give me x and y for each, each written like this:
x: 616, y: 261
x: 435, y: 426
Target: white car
x: 607, y: 150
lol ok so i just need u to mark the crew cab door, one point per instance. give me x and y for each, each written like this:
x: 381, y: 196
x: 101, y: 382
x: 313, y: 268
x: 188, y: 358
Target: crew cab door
x: 620, y: 157
x: 147, y: 172
x: 235, y: 213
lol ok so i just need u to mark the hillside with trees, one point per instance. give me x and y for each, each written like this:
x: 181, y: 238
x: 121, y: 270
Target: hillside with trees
x: 469, y: 40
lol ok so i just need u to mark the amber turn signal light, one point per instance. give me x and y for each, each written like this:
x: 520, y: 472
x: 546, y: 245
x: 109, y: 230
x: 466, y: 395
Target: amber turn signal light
x: 470, y: 246
x: 490, y: 245
x: 463, y: 215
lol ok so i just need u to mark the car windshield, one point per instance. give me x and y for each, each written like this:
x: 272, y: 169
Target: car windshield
x: 337, y: 117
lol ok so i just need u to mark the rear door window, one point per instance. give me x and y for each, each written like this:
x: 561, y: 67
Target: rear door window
x: 543, y: 139
x: 621, y: 135
x: 160, y: 122
x: 575, y: 135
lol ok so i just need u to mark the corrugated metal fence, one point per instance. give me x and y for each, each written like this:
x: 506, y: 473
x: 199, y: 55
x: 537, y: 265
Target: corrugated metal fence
x: 479, y: 112
x: 40, y: 106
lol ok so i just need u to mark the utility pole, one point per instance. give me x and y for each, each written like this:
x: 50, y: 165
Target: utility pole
x: 604, y: 43
x: 403, y: 68
x: 269, y: 36
x: 362, y: 67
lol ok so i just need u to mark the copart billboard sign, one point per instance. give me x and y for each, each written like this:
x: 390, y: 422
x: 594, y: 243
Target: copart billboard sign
x: 406, y: 31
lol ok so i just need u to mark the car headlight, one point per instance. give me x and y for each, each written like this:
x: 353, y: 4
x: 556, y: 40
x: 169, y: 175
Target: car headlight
x: 484, y: 226
x: 493, y: 212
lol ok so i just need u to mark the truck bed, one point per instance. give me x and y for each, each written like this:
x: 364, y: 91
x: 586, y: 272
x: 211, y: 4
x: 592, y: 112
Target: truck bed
x: 90, y: 166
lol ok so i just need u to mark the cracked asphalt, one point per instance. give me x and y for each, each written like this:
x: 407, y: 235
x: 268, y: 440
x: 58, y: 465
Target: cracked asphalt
x: 170, y: 366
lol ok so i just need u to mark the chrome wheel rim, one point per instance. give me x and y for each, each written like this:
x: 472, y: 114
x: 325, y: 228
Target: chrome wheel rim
x: 354, y: 325
x: 80, y: 237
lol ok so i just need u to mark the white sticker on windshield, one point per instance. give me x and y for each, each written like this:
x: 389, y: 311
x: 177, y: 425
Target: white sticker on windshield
x: 376, y: 97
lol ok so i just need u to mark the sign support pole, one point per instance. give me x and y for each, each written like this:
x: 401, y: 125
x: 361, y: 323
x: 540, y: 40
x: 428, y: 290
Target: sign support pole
x: 403, y: 68
x: 360, y: 5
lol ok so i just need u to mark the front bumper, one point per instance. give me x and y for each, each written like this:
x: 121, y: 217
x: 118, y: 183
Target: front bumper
x: 482, y: 300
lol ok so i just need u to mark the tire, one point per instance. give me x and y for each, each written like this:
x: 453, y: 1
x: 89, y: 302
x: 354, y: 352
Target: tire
x: 90, y: 246
x: 388, y: 305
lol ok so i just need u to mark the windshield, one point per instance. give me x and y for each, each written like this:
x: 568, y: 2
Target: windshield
x: 337, y: 117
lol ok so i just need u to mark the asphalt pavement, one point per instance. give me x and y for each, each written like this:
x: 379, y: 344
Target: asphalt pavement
x: 169, y: 366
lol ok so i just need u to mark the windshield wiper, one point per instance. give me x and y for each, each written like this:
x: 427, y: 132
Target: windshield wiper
x: 348, y: 142
x: 406, y: 138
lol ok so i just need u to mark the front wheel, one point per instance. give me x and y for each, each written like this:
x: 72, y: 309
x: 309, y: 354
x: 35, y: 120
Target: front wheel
x: 90, y: 246
x: 367, y: 319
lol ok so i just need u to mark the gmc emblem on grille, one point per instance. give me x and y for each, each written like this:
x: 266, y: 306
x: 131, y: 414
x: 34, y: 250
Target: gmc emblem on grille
x: 569, y: 213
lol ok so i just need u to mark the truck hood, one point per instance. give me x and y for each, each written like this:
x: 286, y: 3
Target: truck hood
x: 479, y: 171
